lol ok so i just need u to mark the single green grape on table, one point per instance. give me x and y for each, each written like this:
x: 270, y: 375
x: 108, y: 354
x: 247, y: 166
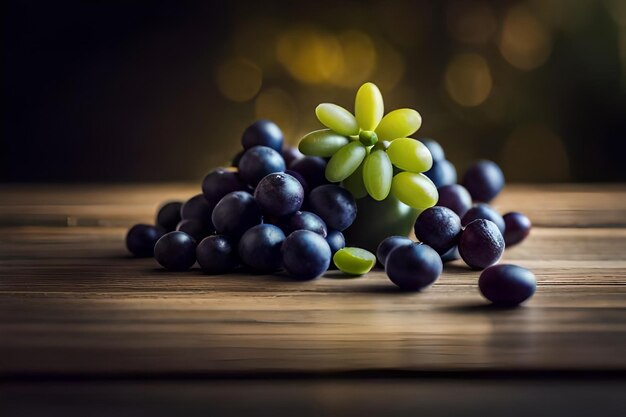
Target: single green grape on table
x: 365, y: 147
x: 354, y: 261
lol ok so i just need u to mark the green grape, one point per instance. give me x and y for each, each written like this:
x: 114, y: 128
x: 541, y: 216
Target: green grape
x: 410, y: 155
x: 414, y: 190
x: 354, y: 261
x: 368, y: 106
x: 377, y: 175
x: 337, y: 119
x: 345, y: 161
x: 322, y: 143
x: 354, y: 183
x: 399, y: 124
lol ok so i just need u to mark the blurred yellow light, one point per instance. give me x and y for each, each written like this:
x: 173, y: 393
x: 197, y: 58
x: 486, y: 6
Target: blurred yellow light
x: 390, y: 68
x: 277, y: 105
x: 239, y: 79
x: 471, y: 21
x: 309, y: 55
x: 358, y: 59
x: 468, y: 79
x: 525, y: 43
x: 535, y: 153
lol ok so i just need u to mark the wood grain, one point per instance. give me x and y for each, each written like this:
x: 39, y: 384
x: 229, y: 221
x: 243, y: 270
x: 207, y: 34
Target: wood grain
x: 72, y: 302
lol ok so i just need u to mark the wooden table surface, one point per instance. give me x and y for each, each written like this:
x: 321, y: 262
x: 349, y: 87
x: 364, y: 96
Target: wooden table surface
x: 73, y: 304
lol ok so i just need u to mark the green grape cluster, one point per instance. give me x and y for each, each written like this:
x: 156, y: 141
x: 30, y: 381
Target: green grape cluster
x: 371, y: 153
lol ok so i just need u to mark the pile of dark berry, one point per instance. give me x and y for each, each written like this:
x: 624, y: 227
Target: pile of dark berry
x: 274, y: 209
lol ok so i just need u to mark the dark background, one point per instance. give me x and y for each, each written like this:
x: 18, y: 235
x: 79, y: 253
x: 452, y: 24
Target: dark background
x: 136, y: 91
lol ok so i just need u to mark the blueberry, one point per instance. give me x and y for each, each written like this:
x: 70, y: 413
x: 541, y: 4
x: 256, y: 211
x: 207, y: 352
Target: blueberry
x: 220, y: 182
x: 484, y: 180
x: 175, y: 251
x: 451, y: 255
x: 259, y: 247
x: 388, y: 244
x: 217, y: 255
x: 168, y: 215
x: 438, y: 227
x: 517, y: 228
x: 507, y: 285
x: 335, y: 240
x: 334, y: 204
x: 195, y: 228
x: 483, y: 211
x: 279, y: 194
x: 301, y: 180
x: 442, y: 173
x: 263, y: 133
x: 456, y: 198
x: 303, y: 220
x: 141, y: 238
x: 235, y: 213
x: 435, y: 149
x: 258, y: 162
x: 413, y: 267
x: 312, y: 168
x: 481, y: 244
x: 198, y: 208
x: 291, y: 154
x: 306, y: 255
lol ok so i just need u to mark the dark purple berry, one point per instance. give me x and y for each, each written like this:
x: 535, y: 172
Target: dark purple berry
x: 335, y: 240
x: 263, y: 133
x: 334, y: 204
x: 306, y: 255
x: 217, y: 255
x: 456, y: 198
x: 258, y: 162
x: 279, y: 194
x: 442, y: 173
x: 303, y: 220
x: 484, y: 180
x: 220, y: 182
x: 259, y: 247
x: 195, y: 228
x: 141, y: 238
x: 481, y: 244
x: 438, y: 227
x: 236, y: 213
x: 413, y: 267
x: 517, y: 228
x: 388, y: 244
x: 483, y: 211
x: 312, y: 168
x: 175, y: 251
x: 168, y: 215
x: 507, y: 285
x: 198, y: 208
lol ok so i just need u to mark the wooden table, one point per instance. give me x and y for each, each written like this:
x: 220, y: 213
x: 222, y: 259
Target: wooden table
x: 82, y: 323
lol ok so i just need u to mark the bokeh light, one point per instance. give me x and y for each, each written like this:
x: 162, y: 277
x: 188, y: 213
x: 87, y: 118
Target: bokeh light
x: 468, y: 79
x: 358, y: 59
x: 525, y: 42
x: 391, y: 68
x: 309, y: 55
x: 475, y: 69
x: 535, y: 153
x: 472, y: 22
x: 239, y: 79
